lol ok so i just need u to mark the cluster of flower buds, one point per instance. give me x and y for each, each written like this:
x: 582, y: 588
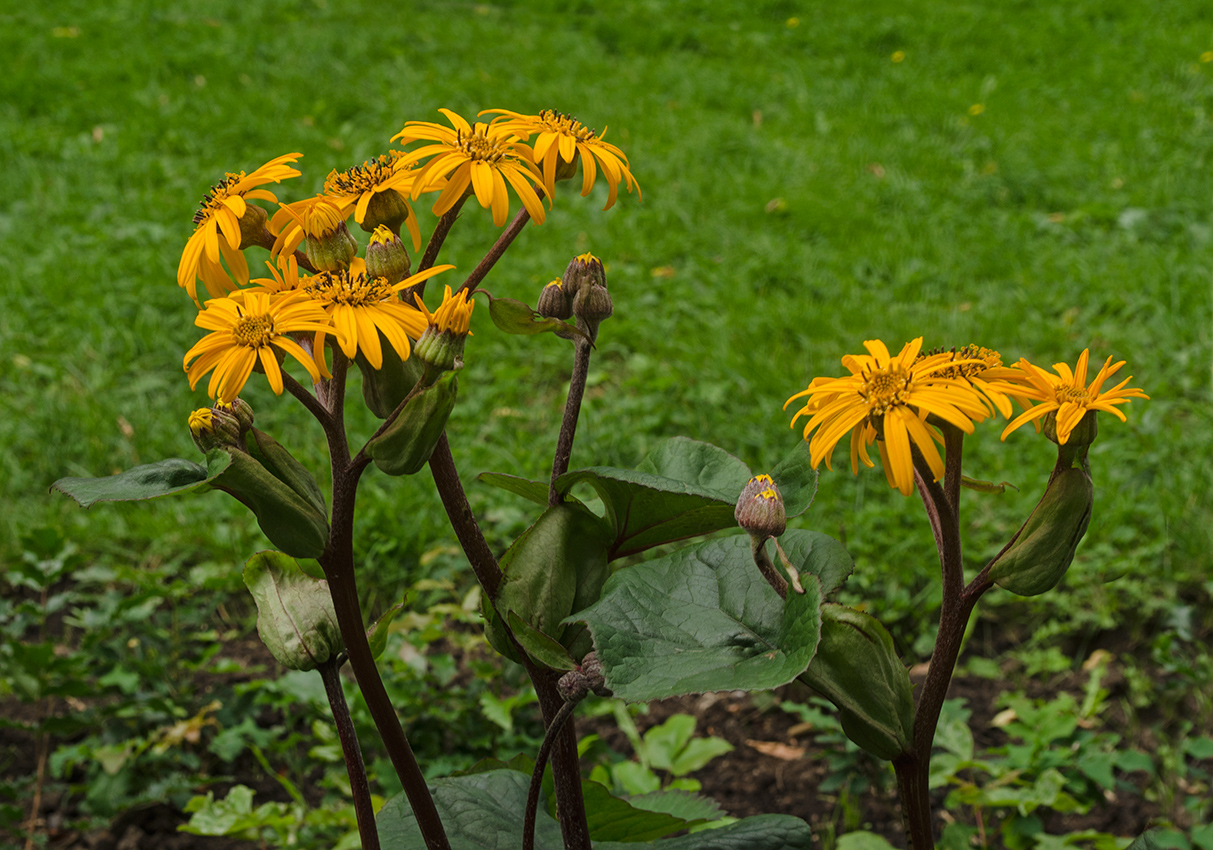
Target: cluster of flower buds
x: 221, y: 426
x: 584, y: 286
x: 576, y: 684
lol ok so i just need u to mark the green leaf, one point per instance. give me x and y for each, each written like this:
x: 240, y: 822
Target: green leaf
x: 613, y: 819
x: 291, y: 521
x: 797, y: 480
x: 406, y: 445
x: 702, y: 619
x: 288, y: 519
x: 858, y: 670
x: 862, y: 840
x: 515, y: 317
x: 485, y: 810
x: 536, y: 491
x: 827, y: 558
x: 295, y: 614
x: 539, y: 646
x: 282, y: 465
x: 680, y: 804
x: 544, y: 566
x: 384, y: 388
x: 672, y: 746
x: 683, y: 489
x: 377, y: 634
x: 149, y: 481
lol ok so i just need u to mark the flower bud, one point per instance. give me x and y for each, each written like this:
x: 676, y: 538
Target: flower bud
x: 582, y: 270
x: 760, y: 509
x: 591, y: 668
x: 386, y: 208
x: 1080, y: 436
x: 386, y: 256
x: 252, y: 228
x: 566, y: 169
x: 239, y: 408
x: 332, y: 250
x: 215, y: 427
x: 553, y: 302
x: 573, y: 686
x: 593, y: 303
x: 441, y: 343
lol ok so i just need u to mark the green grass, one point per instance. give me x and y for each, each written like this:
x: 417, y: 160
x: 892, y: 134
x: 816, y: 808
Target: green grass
x: 803, y: 191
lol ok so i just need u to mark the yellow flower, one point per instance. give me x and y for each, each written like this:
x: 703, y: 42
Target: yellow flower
x: 384, y: 180
x: 560, y: 142
x: 483, y: 158
x: 202, y: 421
x: 220, y: 214
x: 887, y: 399
x: 245, y: 332
x: 317, y: 217
x: 982, y: 368
x: 453, y: 316
x: 361, y: 307
x: 1067, y: 393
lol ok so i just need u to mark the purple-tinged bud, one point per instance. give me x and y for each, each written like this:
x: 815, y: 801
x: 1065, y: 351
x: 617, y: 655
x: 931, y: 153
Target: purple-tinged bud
x: 386, y: 256
x: 760, y: 509
x: 583, y: 270
x: 553, y: 302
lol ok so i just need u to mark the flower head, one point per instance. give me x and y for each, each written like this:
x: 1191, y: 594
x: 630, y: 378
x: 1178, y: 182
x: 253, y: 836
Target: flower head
x: 249, y: 331
x: 887, y: 399
x: 982, y: 369
x: 362, y: 307
x: 218, y: 234
x: 441, y: 345
x: 375, y: 192
x: 322, y: 223
x: 1067, y: 395
x: 483, y: 158
x: 560, y: 141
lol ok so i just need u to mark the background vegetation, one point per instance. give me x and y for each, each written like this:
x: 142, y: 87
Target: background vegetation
x: 1029, y: 176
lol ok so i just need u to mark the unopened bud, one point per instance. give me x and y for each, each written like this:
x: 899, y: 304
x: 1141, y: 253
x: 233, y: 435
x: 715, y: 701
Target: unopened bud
x: 591, y: 668
x: 252, y: 228
x: 214, y: 427
x: 573, y: 686
x: 386, y: 256
x: 385, y: 208
x: 593, y: 303
x: 239, y: 408
x: 553, y: 302
x: 583, y: 270
x: 1080, y: 436
x: 331, y: 251
x: 760, y: 509
x: 566, y: 169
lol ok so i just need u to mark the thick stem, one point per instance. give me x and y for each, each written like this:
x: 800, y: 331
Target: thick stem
x: 572, y: 410
x: 912, y: 787
x: 463, y: 521
x: 441, y: 229
x: 490, y: 259
x: 338, y: 563
x: 541, y: 761
x: 566, y: 765
x: 308, y: 400
x: 330, y: 672
x: 337, y: 560
x: 913, y: 768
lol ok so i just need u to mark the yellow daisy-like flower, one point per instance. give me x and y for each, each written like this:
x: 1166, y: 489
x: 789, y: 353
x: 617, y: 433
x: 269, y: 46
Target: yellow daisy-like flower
x: 982, y: 368
x: 245, y: 332
x: 1068, y: 394
x: 484, y: 158
x: 561, y: 140
x: 453, y: 316
x: 222, y: 208
x: 385, y: 181
x: 361, y: 307
x: 318, y: 217
x: 887, y: 399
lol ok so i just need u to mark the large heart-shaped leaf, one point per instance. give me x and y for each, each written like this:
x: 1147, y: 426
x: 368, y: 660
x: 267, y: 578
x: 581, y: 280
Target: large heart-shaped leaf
x: 483, y: 811
x: 703, y: 619
x: 683, y: 488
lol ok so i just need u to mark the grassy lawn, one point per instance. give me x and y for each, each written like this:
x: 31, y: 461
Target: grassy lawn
x: 1033, y: 177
